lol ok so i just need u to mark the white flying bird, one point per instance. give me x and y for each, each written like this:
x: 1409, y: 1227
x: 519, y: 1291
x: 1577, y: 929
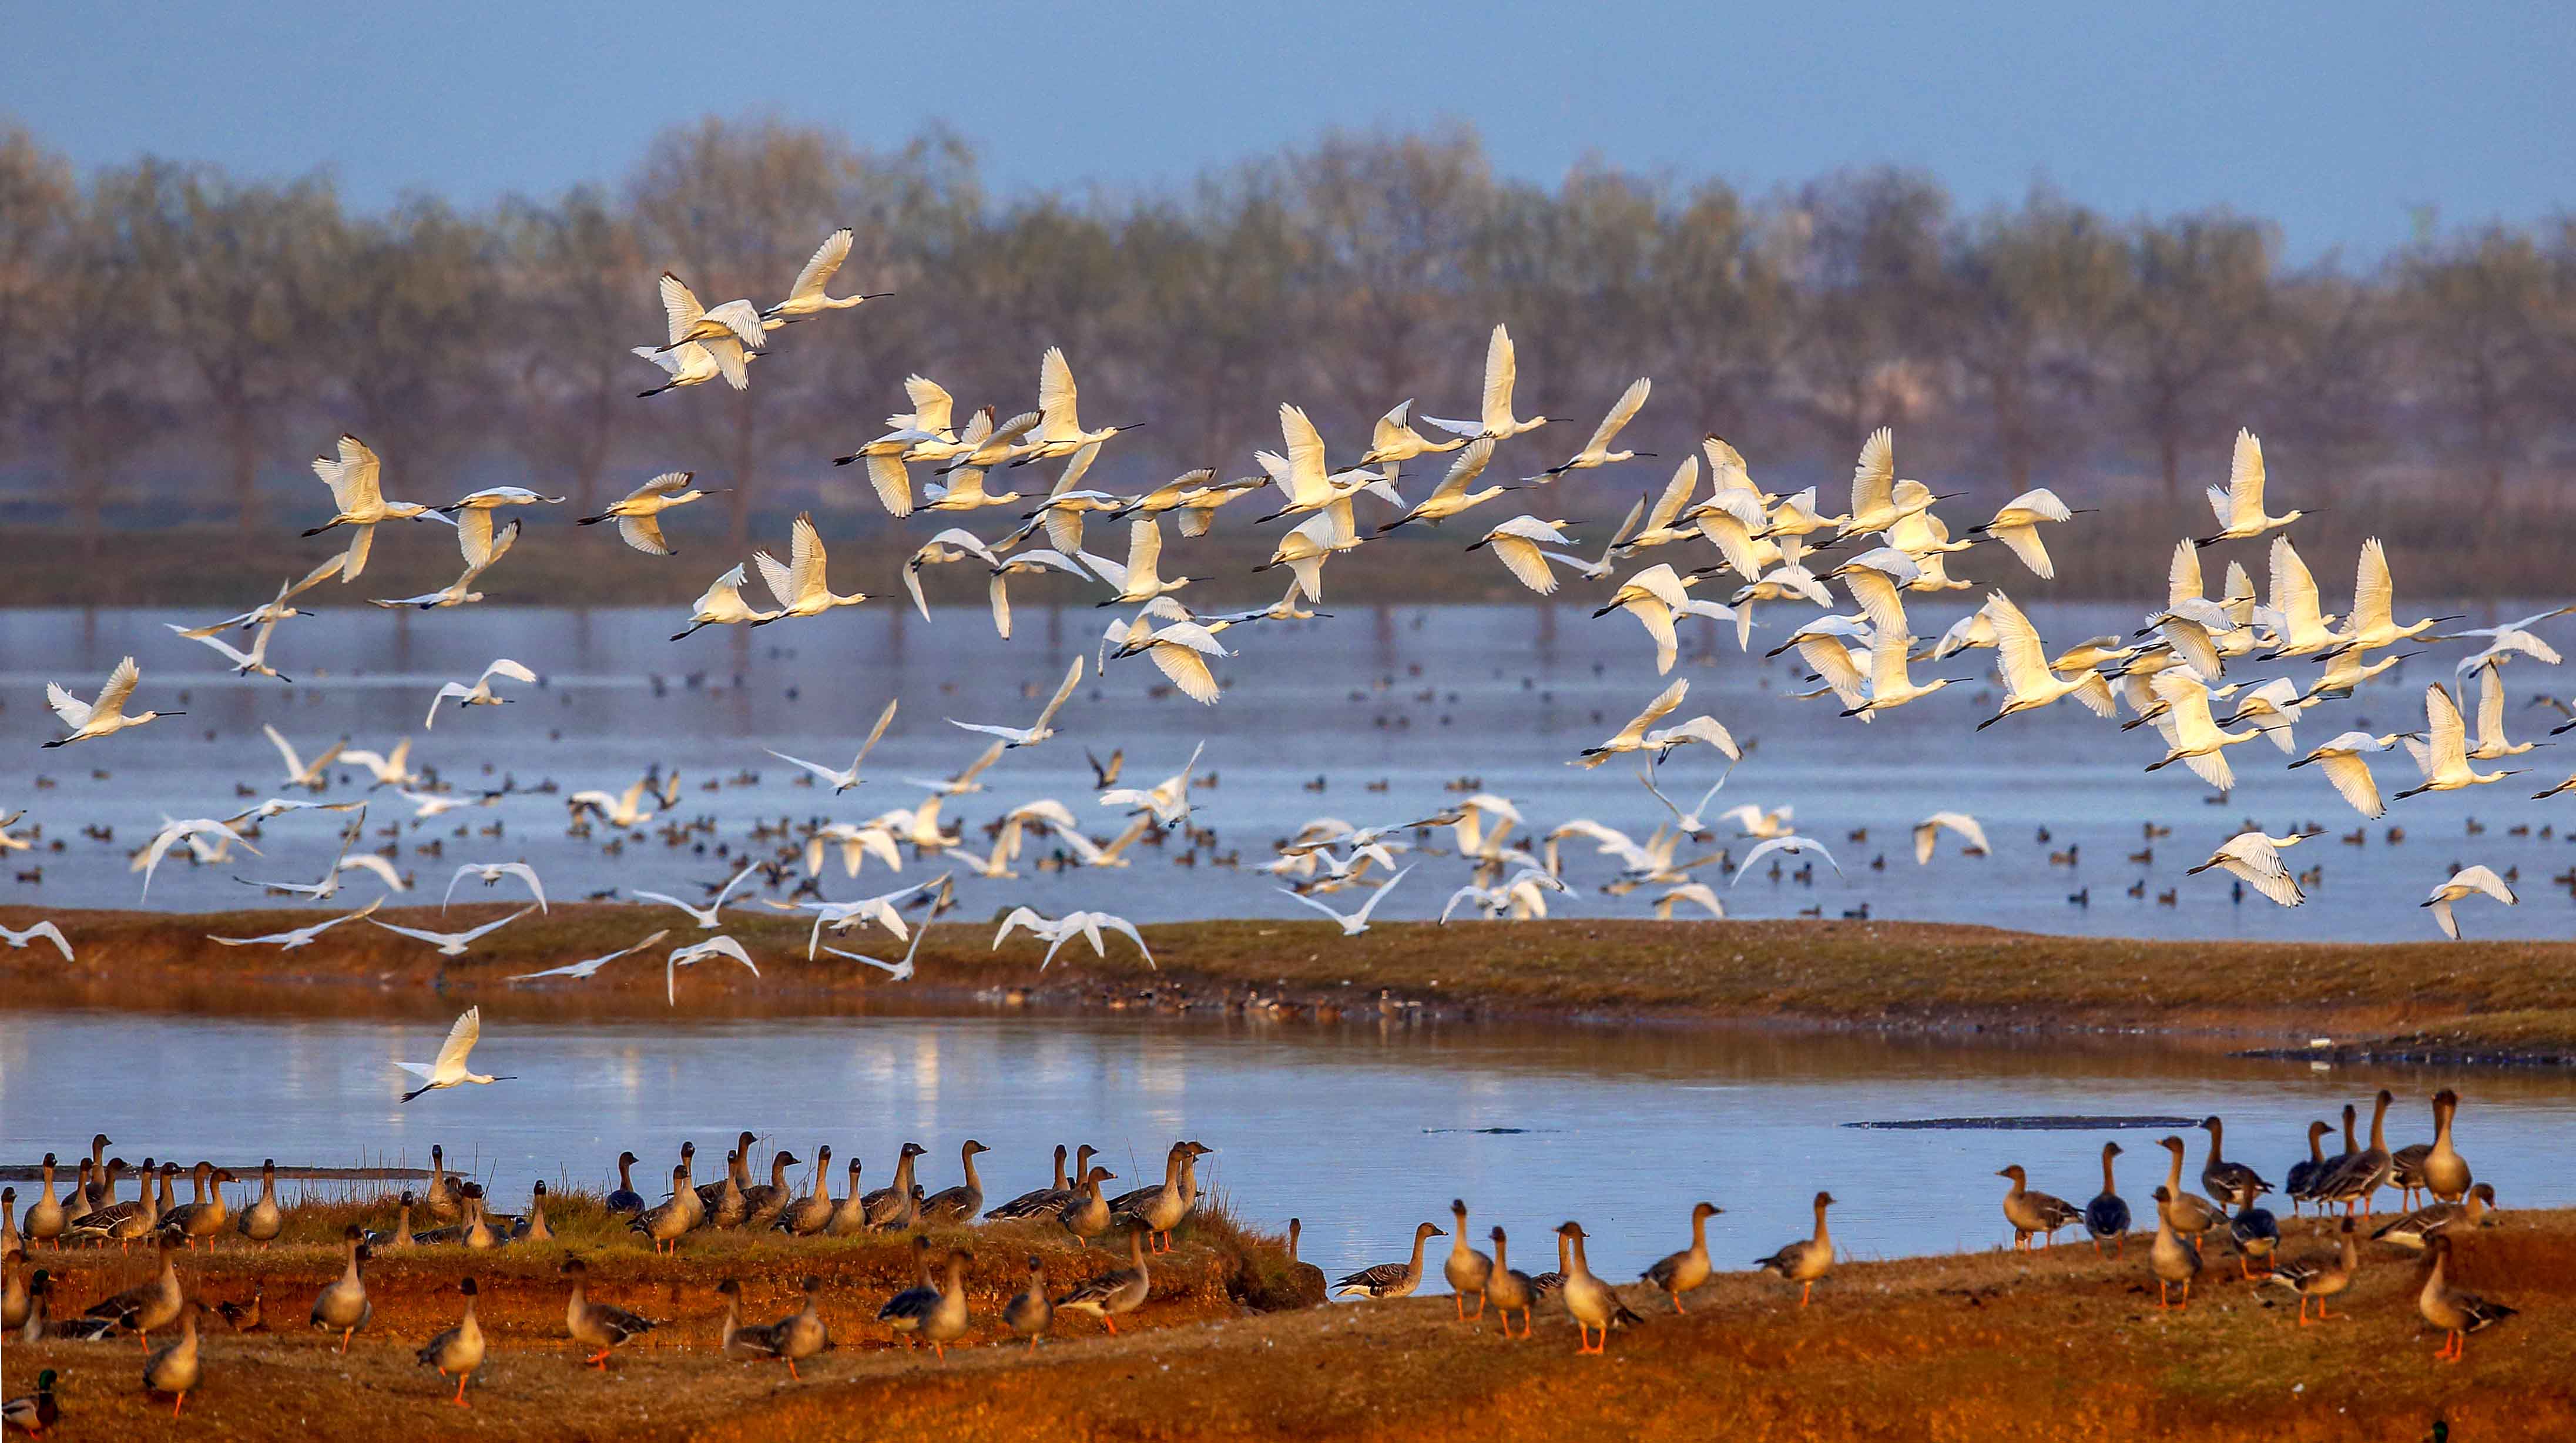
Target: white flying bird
x: 41, y: 932
x: 2341, y: 757
x: 172, y: 831
x: 1793, y: 845
x: 453, y: 944
x: 276, y: 610
x: 492, y: 872
x: 2466, y: 882
x: 706, y: 916
x: 592, y: 966
x: 481, y: 547
x: 696, y: 953
x: 244, y: 663
x: 390, y: 769
x: 1352, y: 923
x: 1972, y: 837
x: 1597, y: 452
x: 1697, y: 893
x: 356, y: 489
x: 895, y: 971
x: 954, y: 544
x: 806, y: 298
x: 1088, y: 926
x: 2239, y: 504
x: 480, y: 693
x: 296, y: 937
x: 1502, y: 369
x: 313, y: 775
x: 800, y: 585
x: 105, y: 716
x: 1044, y: 727
x: 449, y: 1069
x: 2017, y: 525
x: 2256, y: 859
x: 638, y: 513
x: 2443, y: 756
x: 1516, y: 544
x: 843, y: 781
x: 722, y: 605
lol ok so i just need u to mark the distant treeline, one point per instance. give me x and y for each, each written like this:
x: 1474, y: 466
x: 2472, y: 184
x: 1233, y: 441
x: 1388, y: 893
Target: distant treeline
x: 176, y: 341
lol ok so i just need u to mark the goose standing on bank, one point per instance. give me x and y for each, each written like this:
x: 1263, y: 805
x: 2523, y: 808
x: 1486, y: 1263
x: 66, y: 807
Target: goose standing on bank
x: 811, y: 1213
x: 2034, y: 1214
x: 1030, y: 1312
x: 2192, y: 1214
x: 1510, y: 1290
x: 174, y: 1371
x: 458, y: 1351
x: 2232, y: 1184
x: 625, y: 1199
x: 2456, y: 1311
x: 598, y: 1325
x: 1808, y: 1260
x: 666, y: 1222
x: 2356, y: 1181
x: 1088, y: 1215
x: 1046, y: 1201
x: 2415, y: 1230
x: 961, y: 1203
x: 889, y: 1206
x: 2300, y: 1182
x: 151, y: 1305
x: 343, y: 1307
x: 1118, y: 1292
x: 2435, y: 1167
x: 2107, y: 1215
x: 1680, y: 1272
x: 1391, y: 1280
x: 2174, y: 1258
x: 2319, y: 1278
x: 1593, y: 1304
x: 1466, y: 1269
x: 1159, y: 1210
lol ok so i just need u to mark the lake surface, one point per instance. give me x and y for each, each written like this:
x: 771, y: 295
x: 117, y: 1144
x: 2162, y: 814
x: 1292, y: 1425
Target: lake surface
x: 1409, y: 699
x: 1360, y: 1131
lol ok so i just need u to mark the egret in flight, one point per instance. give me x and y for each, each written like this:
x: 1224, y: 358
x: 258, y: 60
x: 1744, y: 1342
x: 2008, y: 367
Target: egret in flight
x: 449, y: 1069
x: 2256, y: 859
x: 480, y: 693
x: 706, y: 916
x: 592, y: 966
x: 1502, y: 369
x: 453, y: 944
x: 1043, y: 727
x: 638, y: 513
x: 1793, y: 845
x: 41, y: 932
x: 2468, y: 881
x: 695, y: 953
x: 807, y: 299
x: 296, y: 937
x: 1351, y: 923
x: 2239, y: 505
x: 843, y: 781
x: 492, y: 872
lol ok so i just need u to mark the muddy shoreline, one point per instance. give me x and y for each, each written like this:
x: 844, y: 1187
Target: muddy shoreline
x: 2491, y: 1003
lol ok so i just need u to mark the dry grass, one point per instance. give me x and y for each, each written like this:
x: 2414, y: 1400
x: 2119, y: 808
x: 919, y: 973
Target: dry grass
x: 2061, y: 1345
x: 2482, y: 996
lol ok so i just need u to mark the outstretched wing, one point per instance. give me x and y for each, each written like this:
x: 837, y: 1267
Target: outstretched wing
x: 818, y: 270
x: 1072, y: 679
x: 460, y: 1041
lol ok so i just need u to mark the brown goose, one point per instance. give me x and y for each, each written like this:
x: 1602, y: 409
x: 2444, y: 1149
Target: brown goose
x: 2230, y: 1184
x: 1509, y: 1289
x: 1807, y: 1260
x: 598, y: 1325
x: 2319, y: 1278
x: 2456, y: 1311
x: 2035, y: 1214
x: 2435, y: 1167
x: 889, y: 1203
x: 1678, y: 1273
x: 958, y: 1204
x: 459, y: 1350
x: 1390, y: 1280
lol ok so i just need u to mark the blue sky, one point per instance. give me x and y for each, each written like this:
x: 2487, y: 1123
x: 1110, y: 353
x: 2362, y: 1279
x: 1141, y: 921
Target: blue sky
x: 2337, y: 120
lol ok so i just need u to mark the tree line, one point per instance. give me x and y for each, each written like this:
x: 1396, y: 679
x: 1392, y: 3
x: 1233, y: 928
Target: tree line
x: 175, y: 341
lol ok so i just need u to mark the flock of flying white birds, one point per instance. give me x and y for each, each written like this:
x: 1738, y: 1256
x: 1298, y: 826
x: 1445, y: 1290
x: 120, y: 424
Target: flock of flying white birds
x: 2182, y: 673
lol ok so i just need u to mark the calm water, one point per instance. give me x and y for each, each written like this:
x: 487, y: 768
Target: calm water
x: 1410, y: 698
x: 1363, y: 1133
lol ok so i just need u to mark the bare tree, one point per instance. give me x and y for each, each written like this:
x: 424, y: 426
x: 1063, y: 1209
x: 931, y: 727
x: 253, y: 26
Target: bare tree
x: 2029, y: 292
x: 1875, y: 298
x: 2479, y: 312
x: 93, y: 395
x: 2192, y: 329
x: 569, y: 280
x: 37, y: 195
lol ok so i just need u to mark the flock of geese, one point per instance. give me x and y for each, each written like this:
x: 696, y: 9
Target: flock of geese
x: 938, y: 1309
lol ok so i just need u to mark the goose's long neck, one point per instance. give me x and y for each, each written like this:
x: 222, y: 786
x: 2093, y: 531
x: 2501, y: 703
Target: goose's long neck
x: 2107, y: 1185
x: 2316, y: 1147
x: 778, y: 1172
x: 1699, y: 1232
x: 2173, y: 1173
x: 47, y: 1196
x: 972, y: 1181
x: 1822, y: 1236
x: 1502, y: 1259
x: 625, y: 1175
x: 349, y: 1273
x: 2442, y: 1127
x: 2217, y: 1142
x: 2379, y: 1126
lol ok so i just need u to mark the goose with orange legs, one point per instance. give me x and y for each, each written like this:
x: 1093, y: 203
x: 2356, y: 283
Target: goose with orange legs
x: 2455, y: 1310
x: 1808, y: 1260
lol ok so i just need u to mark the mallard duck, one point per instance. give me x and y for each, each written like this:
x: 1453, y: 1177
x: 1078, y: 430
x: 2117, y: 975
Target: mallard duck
x: 173, y: 1370
x: 2358, y: 1179
x: 2174, y: 1258
x: 45, y: 1220
x: 1087, y: 1216
x: 887, y: 1205
x: 625, y: 1199
x: 961, y: 1203
x: 343, y: 1306
x: 2456, y: 1311
x: 2256, y: 1234
x: 1678, y: 1273
x: 33, y: 1413
x: 1807, y: 1260
x: 1390, y: 1280
x: 2299, y: 1184
x: 2415, y: 1230
x: 1117, y: 1292
x: 2319, y: 1278
x: 2192, y: 1213
x: 2107, y: 1215
x: 1465, y: 1268
x: 1592, y: 1303
x: 1509, y: 1289
x: 766, y: 1200
x: 1049, y: 1200
x: 1030, y: 1312
x: 147, y: 1306
x: 941, y: 1317
x: 2435, y: 1167
x: 247, y: 1315
x: 2034, y: 1214
x: 459, y: 1350
x: 598, y: 1325
x: 2232, y: 1184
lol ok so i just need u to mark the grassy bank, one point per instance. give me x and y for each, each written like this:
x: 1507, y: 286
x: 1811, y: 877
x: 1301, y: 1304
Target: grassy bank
x: 2061, y: 1344
x: 2485, y: 998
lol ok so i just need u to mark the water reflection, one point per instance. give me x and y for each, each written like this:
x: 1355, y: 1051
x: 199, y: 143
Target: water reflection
x: 1361, y: 1131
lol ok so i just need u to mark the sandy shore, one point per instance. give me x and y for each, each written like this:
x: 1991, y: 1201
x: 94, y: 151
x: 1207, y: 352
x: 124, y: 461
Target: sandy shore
x: 2062, y: 1344
x: 2486, y: 1001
